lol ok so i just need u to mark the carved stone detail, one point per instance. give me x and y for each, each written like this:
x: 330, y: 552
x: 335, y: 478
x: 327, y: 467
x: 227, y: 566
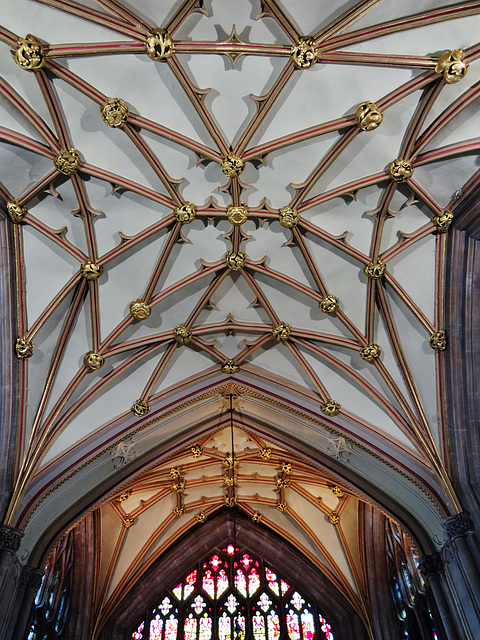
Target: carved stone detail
x: 128, y: 521
x: 330, y: 408
x: 140, y: 310
x: 140, y: 408
x: 458, y: 525
x: 90, y: 270
x: 451, y: 65
x: 29, y: 54
x: 266, y: 453
x: 237, y: 215
x: 23, y: 348
x: 201, y: 517
x: 438, y: 341
x: 159, y: 44
x: 443, y: 222
x: 431, y: 565
x: 10, y: 538
x: 281, y: 333
x: 334, y: 518
x: 181, y: 334
x: 31, y: 578
x: 93, y: 360
x: 235, y: 261
x: 367, y: 116
x: 186, y: 213
x: 16, y: 213
x: 232, y: 165
x: 196, y: 450
x: 67, y: 162
x: 329, y: 304
x: 256, y: 517
x: 375, y: 270
x: 303, y: 54
x: 370, y: 352
x: 400, y: 170
x: 230, y: 367
x: 288, y: 217
x: 115, y: 113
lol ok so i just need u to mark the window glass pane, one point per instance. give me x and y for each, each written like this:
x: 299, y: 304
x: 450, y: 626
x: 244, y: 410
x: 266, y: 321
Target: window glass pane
x: 241, y: 582
x: 258, y: 626
x: 231, y: 603
x: 284, y: 587
x: 264, y: 602
x: 224, y: 627
x: 273, y: 622
x: 171, y: 626
x: 272, y: 581
x: 190, y: 628
x: 308, y: 625
x: 205, y: 628
x: 208, y: 583
x: 293, y: 628
x: 253, y: 582
x: 178, y: 591
x: 198, y: 604
x: 156, y: 627
x: 189, y: 584
x: 165, y: 606
x: 138, y: 635
x: 222, y: 582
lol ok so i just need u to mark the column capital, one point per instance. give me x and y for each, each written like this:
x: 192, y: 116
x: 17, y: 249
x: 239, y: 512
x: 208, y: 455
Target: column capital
x: 10, y: 538
x: 458, y: 525
x: 31, y: 578
x: 431, y: 565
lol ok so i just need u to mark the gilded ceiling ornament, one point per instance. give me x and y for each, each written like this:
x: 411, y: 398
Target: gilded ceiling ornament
x: 370, y: 352
x: 443, y: 222
x: 334, y: 518
x: 159, y: 44
x: 330, y: 408
x: 179, y: 511
x: 230, y: 501
x: 288, y: 217
x: 186, y: 213
x: 140, y: 408
x: 452, y: 66
x: 230, y: 367
x: 375, y: 270
x: 286, y: 467
x: 303, y: 54
x: 140, y: 310
x: 93, y: 360
x: 329, y: 304
x: 282, y: 506
x: 367, y: 116
x: 336, y: 490
x: 29, y: 53
x: 128, y: 521
x: 235, y: 261
x: 67, y: 161
x: 115, y: 112
x: 232, y: 165
x: 266, y: 453
x: 23, y: 348
x: 178, y: 486
x: 229, y: 481
x: 228, y: 461
x: 438, y: 341
x: 237, y: 215
x: 400, y: 170
x: 90, y: 270
x: 181, y: 334
x: 201, y: 517
x: 282, y: 483
x: 16, y: 213
x: 123, y: 496
x: 256, y: 517
x: 196, y: 450
x: 175, y: 473
x: 282, y: 332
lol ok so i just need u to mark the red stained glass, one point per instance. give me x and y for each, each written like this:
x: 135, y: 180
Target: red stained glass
x: 231, y: 603
x: 138, y: 635
x: 190, y: 628
x: 241, y: 582
x: 246, y: 561
x: 293, y: 628
x: 297, y: 601
x: 208, y: 584
x: 308, y: 625
x: 198, y: 604
x: 272, y: 581
x: 215, y: 562
x: 189, y: 584
x: 258, y: 626
x: 253, y: 582
x: 273, y: 624
x: 156, y: 627
x: 177, y: 592
x: 230, y: 550
x: 284, y: 587
x: 222, y: 582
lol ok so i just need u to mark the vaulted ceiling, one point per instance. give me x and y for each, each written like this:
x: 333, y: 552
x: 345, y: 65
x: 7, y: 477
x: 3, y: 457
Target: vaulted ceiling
x: 205, y: 202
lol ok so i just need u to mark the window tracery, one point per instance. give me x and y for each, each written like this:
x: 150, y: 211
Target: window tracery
x: 232, y: 595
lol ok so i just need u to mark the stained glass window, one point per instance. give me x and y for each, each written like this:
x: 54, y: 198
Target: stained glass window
x: 232, y: 595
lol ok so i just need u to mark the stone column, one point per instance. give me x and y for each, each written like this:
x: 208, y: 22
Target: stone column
x: 432, y: 570
x: 10, y: 571
x: 30, y: 582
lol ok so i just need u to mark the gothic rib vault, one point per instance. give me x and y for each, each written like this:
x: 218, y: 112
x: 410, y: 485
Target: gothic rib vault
x: 203, y: 201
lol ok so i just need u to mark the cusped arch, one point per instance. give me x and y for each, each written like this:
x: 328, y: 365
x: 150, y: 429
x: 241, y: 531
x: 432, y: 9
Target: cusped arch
x: 172, y: 567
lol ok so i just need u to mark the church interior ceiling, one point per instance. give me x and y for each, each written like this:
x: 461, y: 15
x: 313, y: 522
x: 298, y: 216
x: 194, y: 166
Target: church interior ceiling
x: 248, y: 201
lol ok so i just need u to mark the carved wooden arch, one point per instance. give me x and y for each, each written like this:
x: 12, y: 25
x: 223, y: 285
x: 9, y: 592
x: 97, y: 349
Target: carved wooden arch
x: 177, y: 561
